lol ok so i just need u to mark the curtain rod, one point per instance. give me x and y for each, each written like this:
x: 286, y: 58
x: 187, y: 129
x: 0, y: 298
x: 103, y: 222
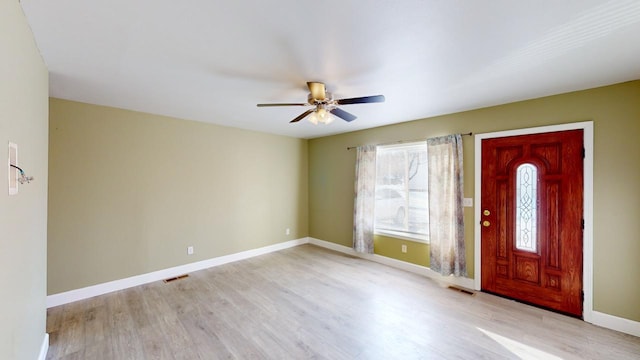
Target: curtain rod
x: 403, y: 141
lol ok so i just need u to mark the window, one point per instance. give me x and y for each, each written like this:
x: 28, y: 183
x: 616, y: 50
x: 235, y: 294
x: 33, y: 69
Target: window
x: 401, y: 197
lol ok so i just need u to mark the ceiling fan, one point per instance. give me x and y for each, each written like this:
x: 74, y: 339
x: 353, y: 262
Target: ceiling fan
x: 324, y: 103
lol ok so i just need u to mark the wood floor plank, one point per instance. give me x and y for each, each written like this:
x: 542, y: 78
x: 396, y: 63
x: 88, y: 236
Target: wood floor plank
x: 311, y: 303
x: 125, y: 339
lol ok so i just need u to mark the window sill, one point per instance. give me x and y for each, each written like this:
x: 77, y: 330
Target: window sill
x: 403, y: 236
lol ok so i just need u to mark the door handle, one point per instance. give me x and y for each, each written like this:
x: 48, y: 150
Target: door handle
x: 486, y: 223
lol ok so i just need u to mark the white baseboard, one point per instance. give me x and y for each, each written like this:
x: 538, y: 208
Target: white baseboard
x: 398, y: 264
x: 44, y: 348
x: 615, y: 323
x: 104, y: 288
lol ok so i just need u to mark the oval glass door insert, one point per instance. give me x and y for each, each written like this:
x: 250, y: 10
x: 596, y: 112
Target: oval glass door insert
x: 526, y: 207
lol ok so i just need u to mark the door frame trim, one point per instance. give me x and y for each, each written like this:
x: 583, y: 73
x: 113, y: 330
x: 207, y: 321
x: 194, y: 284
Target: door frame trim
x: 587, y: 238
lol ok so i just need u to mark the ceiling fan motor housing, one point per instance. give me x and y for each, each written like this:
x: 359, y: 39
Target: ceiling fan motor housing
x: 327, y: 99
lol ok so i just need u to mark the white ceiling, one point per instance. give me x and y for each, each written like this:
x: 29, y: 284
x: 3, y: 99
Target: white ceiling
x: 213, y: 60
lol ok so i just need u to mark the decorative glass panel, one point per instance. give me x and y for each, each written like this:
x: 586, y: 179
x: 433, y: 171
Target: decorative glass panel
x: 526, y: 207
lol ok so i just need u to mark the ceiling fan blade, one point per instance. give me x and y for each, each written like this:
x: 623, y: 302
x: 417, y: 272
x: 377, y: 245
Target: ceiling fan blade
x: 302, y: 116
x: 343, y: 114
x: 361, y: 100
x: 317, y: 90
x: 283, y: 104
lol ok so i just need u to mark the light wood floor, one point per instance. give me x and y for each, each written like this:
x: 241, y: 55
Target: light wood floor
x: 310, y: 303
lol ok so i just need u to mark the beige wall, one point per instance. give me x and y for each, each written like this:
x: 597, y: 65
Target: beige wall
x: 23, y: 217
x: 615, y: 111
x: 130, y: 191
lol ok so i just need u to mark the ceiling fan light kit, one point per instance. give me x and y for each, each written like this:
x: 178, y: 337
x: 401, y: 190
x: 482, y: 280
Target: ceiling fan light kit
x: 320, y: 115
x: 325, y: 105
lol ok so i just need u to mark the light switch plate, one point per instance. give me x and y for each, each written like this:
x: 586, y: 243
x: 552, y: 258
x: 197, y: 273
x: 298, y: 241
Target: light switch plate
x: 467, y: 202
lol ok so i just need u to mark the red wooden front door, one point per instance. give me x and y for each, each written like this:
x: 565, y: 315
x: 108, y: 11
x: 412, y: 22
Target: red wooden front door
x: 532, y: 219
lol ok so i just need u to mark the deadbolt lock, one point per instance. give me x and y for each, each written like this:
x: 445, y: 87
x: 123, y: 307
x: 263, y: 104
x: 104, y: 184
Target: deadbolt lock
x: 486, y: 213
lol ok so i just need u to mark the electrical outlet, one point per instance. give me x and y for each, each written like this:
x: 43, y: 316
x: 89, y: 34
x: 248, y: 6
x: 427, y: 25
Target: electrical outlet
x: 190, y: 250
x: 287, y: 232
x: 404, y: 248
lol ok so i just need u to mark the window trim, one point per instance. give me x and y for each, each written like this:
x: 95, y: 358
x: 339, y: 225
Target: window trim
x: 402, y: 236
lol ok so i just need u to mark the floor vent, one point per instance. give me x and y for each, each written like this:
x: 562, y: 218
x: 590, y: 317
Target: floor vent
x: 464, y: 291
x: 176, y: 278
